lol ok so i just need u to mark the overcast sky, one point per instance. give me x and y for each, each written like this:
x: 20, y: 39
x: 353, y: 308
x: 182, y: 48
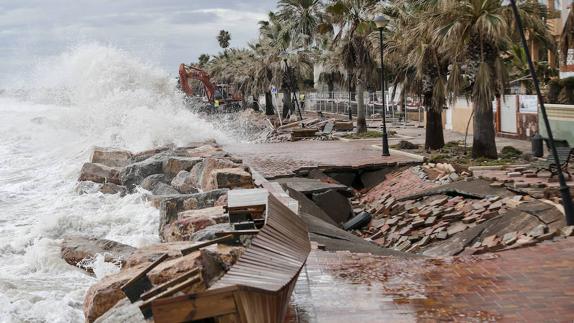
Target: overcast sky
x: 168, y: 32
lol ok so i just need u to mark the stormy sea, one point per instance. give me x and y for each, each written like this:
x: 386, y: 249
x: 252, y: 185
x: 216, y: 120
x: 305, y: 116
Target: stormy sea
x: 90, y: 95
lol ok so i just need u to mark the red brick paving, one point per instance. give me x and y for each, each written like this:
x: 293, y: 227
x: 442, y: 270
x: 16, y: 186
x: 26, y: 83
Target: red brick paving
x: 284, y: 159
x: 399, y: 184
x: 501, y: 176
x: 533, y: 284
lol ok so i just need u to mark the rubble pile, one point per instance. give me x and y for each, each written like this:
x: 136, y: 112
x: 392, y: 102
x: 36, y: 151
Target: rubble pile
x: 413, y: 224
x: 308, y: 129
x: 189, y: 185
x: 439, y: 173
x: 454, y: 215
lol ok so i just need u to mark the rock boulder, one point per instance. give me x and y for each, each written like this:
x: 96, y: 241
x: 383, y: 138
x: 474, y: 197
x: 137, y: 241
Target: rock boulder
x: 173, y: 165
x: 99, y: 173
x: 232, y: 178
x: 111, y: 188
x: 192, y: 221
x: 150, y: 182
x: 134, y: 174
x: 184, y: 182
x: 76, y: 249
x: 111, y: 157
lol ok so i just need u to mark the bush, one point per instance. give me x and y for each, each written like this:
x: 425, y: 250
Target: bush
x: 509, y: 152
x: 403, y: 144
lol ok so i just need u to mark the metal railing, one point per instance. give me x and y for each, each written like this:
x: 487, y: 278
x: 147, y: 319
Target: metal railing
x: 340, y: 103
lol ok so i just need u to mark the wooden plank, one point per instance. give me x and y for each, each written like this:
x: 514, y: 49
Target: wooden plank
x: 181, y: 286
x: 198, y: 246
x: 163, y: 287
x: 193, y: 307
x: 145, y: 271
x: 238, y: 232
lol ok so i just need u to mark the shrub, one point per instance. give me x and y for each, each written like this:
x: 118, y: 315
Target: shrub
x: 509, y: 152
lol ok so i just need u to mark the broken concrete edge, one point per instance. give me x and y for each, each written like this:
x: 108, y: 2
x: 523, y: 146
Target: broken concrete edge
x: 339, y: 168
x: 404, y: 153
x: 497, y: 167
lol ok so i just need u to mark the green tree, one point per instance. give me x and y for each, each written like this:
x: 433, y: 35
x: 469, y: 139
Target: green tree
x: 223, y: 38
x: 475, y: 34
x: 419, y: 66
x: 354, y: 46
x: 203, y: 59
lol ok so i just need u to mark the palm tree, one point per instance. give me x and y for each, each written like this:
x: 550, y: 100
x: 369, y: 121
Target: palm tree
x: 474, y: 34
x: 353, y: 19
x: 223, y: 38
x: 203, y: 59
x: 418, y: 65
x: 279, y: 47
x: 303, y: 19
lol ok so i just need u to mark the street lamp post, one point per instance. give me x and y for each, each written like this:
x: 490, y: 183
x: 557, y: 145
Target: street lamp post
x: 564, y: 189
x: 381, y: 21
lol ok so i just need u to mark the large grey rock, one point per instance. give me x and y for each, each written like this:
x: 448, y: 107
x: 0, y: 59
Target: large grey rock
x: 170, y: 206
x: 204, y: 173
x: 335, y: 204
x: 75, y: 249
x: 150, y: 182
x: 164, y: 189
x: 111, y: 157
x: 173, y: 165
x: 134, y: 174
x: 99, y: 173
x: 233, y: 178
x: 184, y: 182
x: 189, y: 222
x: 141, y: 156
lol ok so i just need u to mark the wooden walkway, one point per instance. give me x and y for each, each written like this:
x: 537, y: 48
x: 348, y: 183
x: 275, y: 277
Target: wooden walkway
x: 259, y: 286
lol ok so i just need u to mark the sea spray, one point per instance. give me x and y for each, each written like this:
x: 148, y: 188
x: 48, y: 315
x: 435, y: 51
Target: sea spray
x: 91, y: 95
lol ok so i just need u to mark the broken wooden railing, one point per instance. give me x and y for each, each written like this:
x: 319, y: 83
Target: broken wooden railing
x: 258, y: 287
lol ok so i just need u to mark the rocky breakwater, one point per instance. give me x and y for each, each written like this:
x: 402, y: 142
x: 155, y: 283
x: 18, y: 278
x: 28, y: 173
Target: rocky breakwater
x: 189, y: 186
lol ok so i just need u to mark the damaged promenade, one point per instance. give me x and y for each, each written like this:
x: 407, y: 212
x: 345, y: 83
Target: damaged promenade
x: 393, y: 239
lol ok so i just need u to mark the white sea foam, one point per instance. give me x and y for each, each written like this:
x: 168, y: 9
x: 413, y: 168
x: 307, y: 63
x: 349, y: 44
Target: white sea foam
x: 90, y: 96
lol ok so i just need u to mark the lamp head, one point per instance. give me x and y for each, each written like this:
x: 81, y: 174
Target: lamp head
x: 380, y: 21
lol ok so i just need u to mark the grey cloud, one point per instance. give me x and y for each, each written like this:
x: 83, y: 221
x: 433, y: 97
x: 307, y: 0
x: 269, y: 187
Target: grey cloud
x: 184, y: 29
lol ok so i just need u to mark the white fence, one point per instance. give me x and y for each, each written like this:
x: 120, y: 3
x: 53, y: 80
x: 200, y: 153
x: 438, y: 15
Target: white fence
x: 341, y: 102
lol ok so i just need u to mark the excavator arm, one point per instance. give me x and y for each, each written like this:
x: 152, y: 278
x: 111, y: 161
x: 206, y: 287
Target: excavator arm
x: 187, y: 73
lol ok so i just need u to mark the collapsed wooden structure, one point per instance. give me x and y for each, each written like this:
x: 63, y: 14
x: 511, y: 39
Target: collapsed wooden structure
x: 258, y: 287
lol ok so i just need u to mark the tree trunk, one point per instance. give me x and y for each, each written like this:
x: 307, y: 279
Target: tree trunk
x: 331, y: 89
x: 269, y: 104
x: 434, y: 138
x: 484, y: 143
x: 287, y: 103
x: 361, y: 109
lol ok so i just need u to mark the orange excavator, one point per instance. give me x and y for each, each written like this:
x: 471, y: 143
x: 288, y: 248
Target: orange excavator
x: 217, y: 95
